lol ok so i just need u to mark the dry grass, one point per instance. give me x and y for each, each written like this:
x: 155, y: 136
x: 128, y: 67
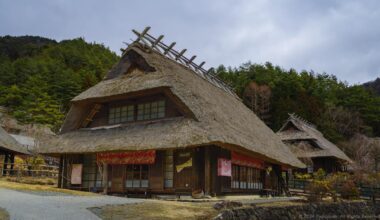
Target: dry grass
x: 157, y: 210
x: 33, y: 180
x: 33, y: 187
x: 3, y: 214
x: 281, y: 204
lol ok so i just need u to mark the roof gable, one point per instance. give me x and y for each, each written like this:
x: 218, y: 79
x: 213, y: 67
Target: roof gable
x: 130, y: 61
x: 8, y: 143
x: 308, y: 131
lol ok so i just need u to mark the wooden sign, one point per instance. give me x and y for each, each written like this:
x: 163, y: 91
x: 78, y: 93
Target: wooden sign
x: 76, y: 174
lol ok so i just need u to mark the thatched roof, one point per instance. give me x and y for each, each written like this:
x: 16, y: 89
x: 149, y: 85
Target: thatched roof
x: 299, y: 133
x: 9, y: 144
x: 216, y: 116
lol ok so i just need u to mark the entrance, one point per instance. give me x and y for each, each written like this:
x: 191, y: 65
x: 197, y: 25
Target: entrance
x: 117, y: 178
x: 183, y: 168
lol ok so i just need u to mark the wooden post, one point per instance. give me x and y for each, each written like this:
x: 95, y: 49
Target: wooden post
x: 5, y: 167
x: 207, y: 171
x: 105, y: 178
x: 12, y: 159
x: 63, y: 180
x: 60, y: 172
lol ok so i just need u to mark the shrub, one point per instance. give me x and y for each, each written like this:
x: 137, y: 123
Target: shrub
x: 320, y: 174
x: 317, y: 190
x: 343, y: 184
x: 303, y: 176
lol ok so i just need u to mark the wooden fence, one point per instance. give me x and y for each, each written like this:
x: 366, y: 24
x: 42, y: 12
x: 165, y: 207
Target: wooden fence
x: 28, y: 170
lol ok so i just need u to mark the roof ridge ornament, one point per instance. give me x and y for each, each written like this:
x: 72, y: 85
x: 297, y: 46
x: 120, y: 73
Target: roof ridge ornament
x: 299, y: 118
x: 157, y: 45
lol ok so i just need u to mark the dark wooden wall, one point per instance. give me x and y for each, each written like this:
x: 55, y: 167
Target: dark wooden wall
x: 156, y: 173
x: 202, y: 175
x: 328, y: 164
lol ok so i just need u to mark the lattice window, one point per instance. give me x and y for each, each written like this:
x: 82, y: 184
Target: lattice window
x: 121, y: 114
x: 137, y: 176
x: 151, y: 110
x: 246, y: 178
x: 169, y: 169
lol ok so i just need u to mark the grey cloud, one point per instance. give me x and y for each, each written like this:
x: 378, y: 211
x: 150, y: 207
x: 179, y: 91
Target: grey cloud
x: 337, y: 37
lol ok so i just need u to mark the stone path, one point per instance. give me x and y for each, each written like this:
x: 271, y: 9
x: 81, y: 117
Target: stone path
x: 35, y: 206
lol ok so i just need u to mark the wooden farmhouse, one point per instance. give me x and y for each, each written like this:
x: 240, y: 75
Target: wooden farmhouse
x: 311, y: 147
x: 160, y: 124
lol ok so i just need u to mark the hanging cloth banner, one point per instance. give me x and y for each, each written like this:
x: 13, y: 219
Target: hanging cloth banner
x: 132, y: 157
x: 224, y: 167
x: 188, y: 163
x: 244, y: 160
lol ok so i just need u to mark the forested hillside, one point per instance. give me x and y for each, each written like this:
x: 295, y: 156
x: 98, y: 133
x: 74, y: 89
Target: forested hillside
x: 374, y: 86
x: 39, y: 76
x: 339, y: 110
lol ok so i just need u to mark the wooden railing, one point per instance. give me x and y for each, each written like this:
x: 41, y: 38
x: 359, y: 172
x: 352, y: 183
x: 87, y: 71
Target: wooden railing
x: 298, y: 184
x: 22, y: 169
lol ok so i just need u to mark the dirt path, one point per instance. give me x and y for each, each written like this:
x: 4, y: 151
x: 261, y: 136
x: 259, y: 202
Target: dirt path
x: 39, y: 206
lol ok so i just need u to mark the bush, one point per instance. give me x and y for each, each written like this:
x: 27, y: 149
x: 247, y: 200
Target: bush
x: 303, y: 176
x: 317, y: 190
x: 343, y: 184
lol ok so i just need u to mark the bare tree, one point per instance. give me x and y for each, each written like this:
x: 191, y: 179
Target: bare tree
x: 375, y: 152
x: 346, y: 122
x: 364, y: 151
x: 257, y: 98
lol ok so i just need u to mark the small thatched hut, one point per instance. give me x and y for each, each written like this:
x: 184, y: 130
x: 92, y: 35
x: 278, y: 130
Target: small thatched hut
x: 9, y: 148
x: 309, y: 145
x: 158, y: 123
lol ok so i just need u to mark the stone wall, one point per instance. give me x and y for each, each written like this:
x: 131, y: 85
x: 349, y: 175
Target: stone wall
x: 341, y: 210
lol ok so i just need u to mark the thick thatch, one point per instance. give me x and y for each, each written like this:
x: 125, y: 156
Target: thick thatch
x: 10, y: 145
x: 306, y: 141
x: 215, y: 117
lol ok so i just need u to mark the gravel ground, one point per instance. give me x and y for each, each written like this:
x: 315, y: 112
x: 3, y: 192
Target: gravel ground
x: 38, y: 206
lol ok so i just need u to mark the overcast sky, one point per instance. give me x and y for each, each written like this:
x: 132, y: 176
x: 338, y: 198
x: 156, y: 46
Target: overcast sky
x: 336, y: 37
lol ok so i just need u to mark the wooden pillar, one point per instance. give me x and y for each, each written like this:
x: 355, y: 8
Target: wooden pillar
x: 207, y: 171
x: 64, y: 172
x: 60, y: 173
x: 12, y: 161
x: 105, y: 178
x: 280, y: 181
x: 5, y: 167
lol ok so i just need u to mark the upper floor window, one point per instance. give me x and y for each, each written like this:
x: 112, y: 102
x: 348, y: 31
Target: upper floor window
x: 145, y: 111
x: 151, y: 110
x: 121, y: 114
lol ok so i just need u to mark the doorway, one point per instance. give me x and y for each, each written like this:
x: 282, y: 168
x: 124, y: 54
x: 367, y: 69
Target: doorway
x: 117, y: 178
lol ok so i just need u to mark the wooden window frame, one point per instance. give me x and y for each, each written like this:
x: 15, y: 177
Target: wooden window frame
x: 151, y: 110
x: 139, y: 179
x: 246, y: 178
x: 119, y: 111
x: 169, y: 171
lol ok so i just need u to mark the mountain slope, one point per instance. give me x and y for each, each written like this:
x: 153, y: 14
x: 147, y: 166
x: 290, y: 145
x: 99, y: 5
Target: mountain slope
x: 374, y: 86
x: 39, y: 76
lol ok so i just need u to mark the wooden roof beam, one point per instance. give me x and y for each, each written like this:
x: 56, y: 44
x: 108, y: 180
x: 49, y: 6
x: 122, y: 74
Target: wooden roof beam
x: 180, y: 54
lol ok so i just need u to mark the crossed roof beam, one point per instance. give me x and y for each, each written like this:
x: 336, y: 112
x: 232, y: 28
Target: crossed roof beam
x: 156, y: 43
